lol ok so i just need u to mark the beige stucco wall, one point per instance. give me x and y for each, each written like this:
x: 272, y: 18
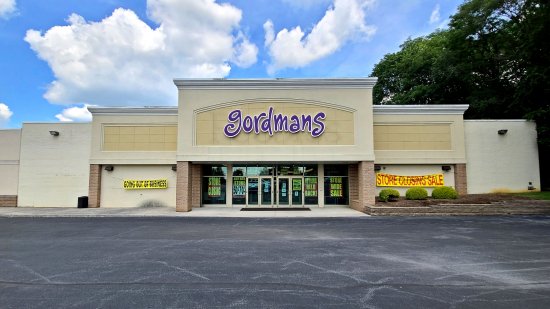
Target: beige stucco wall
x: 126, y: 118
x: 10, y: 143
x: 501, y: 163
x: 54, y: 170
x: 194, y: 100
x: 139, y: 138
x: 416, y: 170
x: 114, y: 195
x: 447, y: 148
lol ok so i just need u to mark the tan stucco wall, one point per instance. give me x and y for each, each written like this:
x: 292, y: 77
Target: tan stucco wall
x: 501, y: 163
x: 416, y: 170
x: 422, y: 142
x: 54, y: 170
x: 356, y: 100
x: 412, y: 137
x: 139, y: 138
x: 10, y: 143
x: 114, y: 195
x: 99, y: 155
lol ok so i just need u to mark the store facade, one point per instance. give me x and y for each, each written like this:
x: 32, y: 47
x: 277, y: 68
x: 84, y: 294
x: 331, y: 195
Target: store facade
x: 264, y: 143
x: 274, y: 143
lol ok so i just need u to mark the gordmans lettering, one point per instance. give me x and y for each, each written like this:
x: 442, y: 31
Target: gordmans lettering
x: 271, y: 123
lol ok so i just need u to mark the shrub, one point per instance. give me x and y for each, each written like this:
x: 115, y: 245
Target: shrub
x: 388, y: 194
x: 444, y: 193
x: 416, y: 194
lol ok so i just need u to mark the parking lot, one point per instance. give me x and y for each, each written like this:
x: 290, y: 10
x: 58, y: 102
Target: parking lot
x: 370, y: 262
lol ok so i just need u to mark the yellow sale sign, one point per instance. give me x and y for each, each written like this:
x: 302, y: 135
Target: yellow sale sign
x: 145, y: 184
x: 387, y: 180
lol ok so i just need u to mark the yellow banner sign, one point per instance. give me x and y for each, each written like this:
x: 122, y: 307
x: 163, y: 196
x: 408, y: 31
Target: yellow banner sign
x: 145, y: 184
x: 387, y: 180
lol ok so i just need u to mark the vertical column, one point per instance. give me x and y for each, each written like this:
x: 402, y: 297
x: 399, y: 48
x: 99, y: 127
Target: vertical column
x: 184, y: 187
x: 229, y: 186
x: 461, y: 184
x: 196, y: 183
x: 366, y: 185
x: 94, y: 186
x: 321, y: 185
x: 353, y: 183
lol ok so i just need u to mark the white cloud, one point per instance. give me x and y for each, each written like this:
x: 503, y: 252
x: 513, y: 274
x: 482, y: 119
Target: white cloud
x: 5, y: 114
x: 75, y: 113
x: 342, y: 22
x: 121, y: 60
x: 435, y: 17
x: 7, y: 7
x: 304, y: 4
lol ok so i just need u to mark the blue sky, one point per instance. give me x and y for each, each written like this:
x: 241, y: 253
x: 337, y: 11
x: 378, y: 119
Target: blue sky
x: 58, y: 56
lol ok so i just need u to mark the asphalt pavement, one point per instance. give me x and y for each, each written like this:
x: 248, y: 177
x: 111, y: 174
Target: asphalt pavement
x: 364, y: 262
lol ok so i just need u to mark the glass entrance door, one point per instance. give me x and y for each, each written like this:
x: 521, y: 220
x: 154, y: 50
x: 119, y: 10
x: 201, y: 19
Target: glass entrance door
x: 253, y: 192
x: 297, y: 189
x: 283, y: 191
x: 290, y: 191
x: 266, y: 191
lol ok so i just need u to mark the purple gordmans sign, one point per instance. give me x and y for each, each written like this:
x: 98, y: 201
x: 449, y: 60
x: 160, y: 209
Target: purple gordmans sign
x: 270, y: 122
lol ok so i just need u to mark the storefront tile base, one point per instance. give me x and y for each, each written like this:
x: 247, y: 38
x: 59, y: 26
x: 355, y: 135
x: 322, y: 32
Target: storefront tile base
x: 8, y: 200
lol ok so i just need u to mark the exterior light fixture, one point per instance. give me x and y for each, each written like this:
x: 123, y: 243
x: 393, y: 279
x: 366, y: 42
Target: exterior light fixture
x: 446, y: 168
x: 377, y: 168
x: 502, y: 132
x: 54, y: 133
x: 175, y: 168
x: 530, y: 187
x: 109, y: 168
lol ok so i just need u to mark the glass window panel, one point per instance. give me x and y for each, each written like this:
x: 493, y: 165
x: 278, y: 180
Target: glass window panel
x: 290, y: 170
x: 239, y: 190
x: 239, y: 170
x: 336, y: 190
x: 336, y: 170
x: 261, y: 170
x: 311, y: 190
x: 213, y: 190
x: 214, y: 170
x: 310, y: 170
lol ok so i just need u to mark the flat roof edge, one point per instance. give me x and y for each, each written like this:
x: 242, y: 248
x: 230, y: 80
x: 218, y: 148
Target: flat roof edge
x: 433, y: 109
x: 135, y: 110
x: 498, y: 120
x: 277, y: 83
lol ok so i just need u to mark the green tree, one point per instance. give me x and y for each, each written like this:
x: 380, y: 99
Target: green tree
x: 495, y: 56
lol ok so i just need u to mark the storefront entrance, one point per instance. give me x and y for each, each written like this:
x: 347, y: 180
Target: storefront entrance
x: 275, y: 185
x: 290, y: 192
x: 269, y: 192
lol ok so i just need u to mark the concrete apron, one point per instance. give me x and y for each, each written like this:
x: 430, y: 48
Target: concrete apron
x: 326, y: 212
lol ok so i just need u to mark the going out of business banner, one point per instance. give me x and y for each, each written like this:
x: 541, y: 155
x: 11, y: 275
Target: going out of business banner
x: 387, y: 180
x: 145, y: 184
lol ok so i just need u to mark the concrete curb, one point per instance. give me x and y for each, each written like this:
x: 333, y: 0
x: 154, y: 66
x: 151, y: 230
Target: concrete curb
x: 167, y: 212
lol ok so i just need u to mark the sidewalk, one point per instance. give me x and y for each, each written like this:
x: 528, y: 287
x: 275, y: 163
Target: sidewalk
x: 326, y: 212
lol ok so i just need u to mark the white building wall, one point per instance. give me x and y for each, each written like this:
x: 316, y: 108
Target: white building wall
x: 114, y: 195
x: 54, y: 170
x: 10, y: 143
x: 501, y: 163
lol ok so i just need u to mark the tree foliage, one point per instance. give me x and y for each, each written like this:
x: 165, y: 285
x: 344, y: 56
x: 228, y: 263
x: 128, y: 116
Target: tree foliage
x: 495, y: 56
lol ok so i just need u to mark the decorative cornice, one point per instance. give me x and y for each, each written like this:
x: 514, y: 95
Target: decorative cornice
x: 145, y: 110
x: 278, y: 83
x: 9, y: 162
x: 431, y: 109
